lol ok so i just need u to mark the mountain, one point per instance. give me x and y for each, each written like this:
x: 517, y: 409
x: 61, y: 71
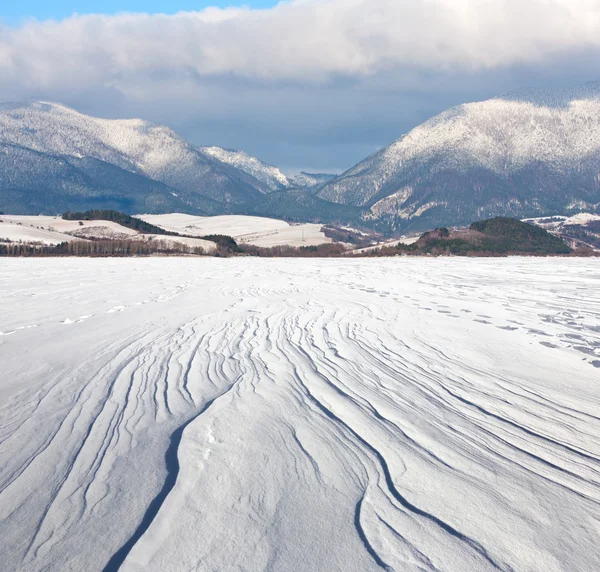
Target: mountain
x: 300, y: 205
x: 54, y: 159
x: 272, y: 177
x: 52, y: 156
x: 33, y: 182
x: 526, y: 154
x: 309, y: 180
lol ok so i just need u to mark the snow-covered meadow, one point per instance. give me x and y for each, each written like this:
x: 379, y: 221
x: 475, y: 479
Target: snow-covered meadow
x: 299, y: 415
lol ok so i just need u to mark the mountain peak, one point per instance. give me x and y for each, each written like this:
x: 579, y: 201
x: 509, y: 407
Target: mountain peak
x: 522, y: 154
x: 271, y: 176
x: 557, y: 97
x: 72, y: 143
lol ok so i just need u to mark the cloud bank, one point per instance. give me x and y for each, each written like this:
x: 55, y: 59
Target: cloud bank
x: 298, y: 56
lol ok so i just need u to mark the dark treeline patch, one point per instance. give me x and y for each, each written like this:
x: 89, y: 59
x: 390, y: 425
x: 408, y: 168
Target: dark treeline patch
x: 500, y: 236
x: 326, y: 250
x: 120, y: 218
x: 98, y: 248
x: 349, y: 236
x: 226, y: 245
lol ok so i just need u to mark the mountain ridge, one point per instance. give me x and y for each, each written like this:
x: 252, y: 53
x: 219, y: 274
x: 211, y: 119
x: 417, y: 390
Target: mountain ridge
x: 146, y: 149
x: 484, y: 154
x: 527, y: 153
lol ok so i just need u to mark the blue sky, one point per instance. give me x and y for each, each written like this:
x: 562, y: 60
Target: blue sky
x: 13, y: 12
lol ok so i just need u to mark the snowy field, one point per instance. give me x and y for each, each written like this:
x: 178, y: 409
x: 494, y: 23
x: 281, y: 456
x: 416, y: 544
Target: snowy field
x: 27, y: 233
x: 52, y: 229
x: 258, y: 231
x: 300, y: 415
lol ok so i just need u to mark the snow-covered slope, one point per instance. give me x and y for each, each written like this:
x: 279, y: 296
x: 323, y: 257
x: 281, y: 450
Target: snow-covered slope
x: 271, y: 176
x: 309, y: 180
x: 54, y: 230
x: 152, y: 152
x: 60, y: 225
x: 533, y: 151
x: 300, y: 415
x: 258, y: 231
x: 18, y: 232
x: 579, y: 231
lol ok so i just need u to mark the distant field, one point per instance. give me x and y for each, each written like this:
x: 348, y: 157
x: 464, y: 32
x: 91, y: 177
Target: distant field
x: 23, y: 232
x: 258, y: 231
x: 53, y: 230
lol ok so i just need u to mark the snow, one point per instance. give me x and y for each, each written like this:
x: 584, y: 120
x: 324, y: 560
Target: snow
x: 407, y: 240
x: 582, y: 219
x: 235, y: 225
x: 296, y: 235
x: 207, y: 245
x: 503, y: 134
x: 131, y: 144
x: 247, y: 414
x: 59, y: 225
x: 559, y: 221
x: 138, y: 146
x: 308, y: 180
x: 560, y: 226
x: 258, y: 231
x: 271, y: 176
x: 23, y: 233
x: 51, y: 230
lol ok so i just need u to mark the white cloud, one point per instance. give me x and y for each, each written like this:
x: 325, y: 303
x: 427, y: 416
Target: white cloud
x: 307, y: 77
x: 300, y: 41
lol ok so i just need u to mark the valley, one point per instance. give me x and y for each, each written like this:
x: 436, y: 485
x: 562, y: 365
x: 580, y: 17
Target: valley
x: 525, y: 154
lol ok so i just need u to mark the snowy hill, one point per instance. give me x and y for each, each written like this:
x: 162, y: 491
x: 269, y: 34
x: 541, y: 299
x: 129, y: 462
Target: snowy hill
x: 271, y: 176
x: 39, y: 137
x: 579, y: 231
x: 528, y: 153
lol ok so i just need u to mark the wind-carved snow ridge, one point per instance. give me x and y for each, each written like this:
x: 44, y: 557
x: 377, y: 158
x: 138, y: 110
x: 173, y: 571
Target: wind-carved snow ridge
x: 300, y: 415
x: 172, y: 465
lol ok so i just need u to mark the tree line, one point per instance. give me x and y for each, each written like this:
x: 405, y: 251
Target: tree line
x: 99, y: 248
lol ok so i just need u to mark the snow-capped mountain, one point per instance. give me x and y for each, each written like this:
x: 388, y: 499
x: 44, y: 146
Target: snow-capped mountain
x: 308, y: 180
x: 531, y: 152
x: 271, y: 176
x: 156, y: 157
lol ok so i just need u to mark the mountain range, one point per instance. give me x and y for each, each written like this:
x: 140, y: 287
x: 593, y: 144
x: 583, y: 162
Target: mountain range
x: 529, y: 153
x: 526, y: 154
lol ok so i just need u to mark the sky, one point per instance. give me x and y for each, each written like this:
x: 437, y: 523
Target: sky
x: 302, y: 84
x: 14, y: 12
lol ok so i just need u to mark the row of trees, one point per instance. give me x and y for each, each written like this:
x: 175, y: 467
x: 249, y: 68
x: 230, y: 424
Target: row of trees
x: 331, y: 250
x: 93, y: 248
